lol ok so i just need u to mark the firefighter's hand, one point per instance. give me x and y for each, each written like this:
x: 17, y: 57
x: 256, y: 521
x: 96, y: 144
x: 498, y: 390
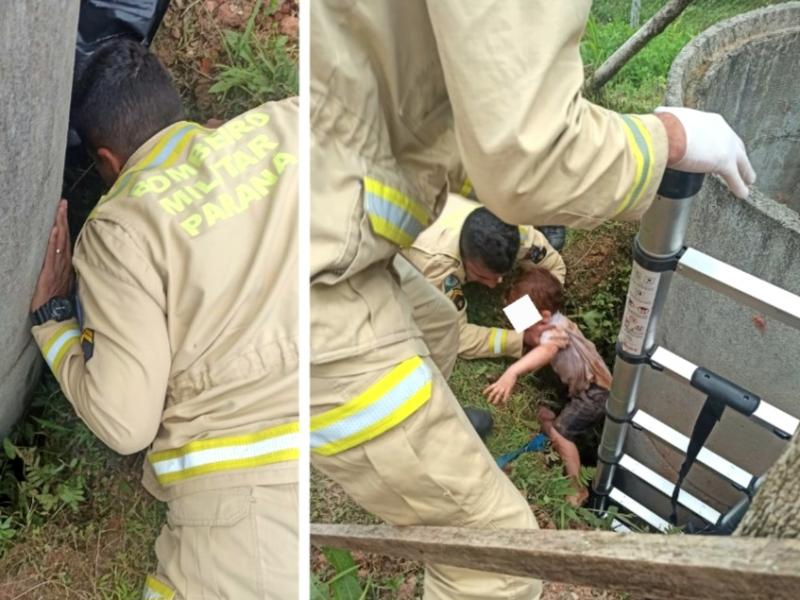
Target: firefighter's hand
x: 703, y: 142
x: 55, y: 278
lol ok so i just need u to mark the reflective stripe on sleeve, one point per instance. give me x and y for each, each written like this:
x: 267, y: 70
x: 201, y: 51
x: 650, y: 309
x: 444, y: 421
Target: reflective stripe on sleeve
x: 392, y: 214
x: 466, y: 189
x: 155, y: 589
x: 641, y: 145
x: 59, y: 344
x: 386, y: 403
x: 497, y: 340
x: 276, y: 444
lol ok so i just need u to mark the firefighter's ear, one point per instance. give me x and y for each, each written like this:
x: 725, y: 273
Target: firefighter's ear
x: 109, y: 164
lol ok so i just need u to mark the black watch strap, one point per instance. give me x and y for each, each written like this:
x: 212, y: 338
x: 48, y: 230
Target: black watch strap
x: 59, y: 308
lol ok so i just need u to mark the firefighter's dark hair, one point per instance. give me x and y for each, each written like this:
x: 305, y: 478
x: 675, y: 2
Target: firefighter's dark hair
x: 487, y: 239
x: 122, y: 97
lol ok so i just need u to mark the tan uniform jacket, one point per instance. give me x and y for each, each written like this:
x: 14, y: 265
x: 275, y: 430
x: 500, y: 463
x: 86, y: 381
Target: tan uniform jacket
x: 436, y: 253
x: 405, y: 98
x: 187, y: 329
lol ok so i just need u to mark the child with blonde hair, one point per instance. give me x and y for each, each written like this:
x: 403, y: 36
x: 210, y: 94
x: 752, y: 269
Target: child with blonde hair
x: 578, y: 365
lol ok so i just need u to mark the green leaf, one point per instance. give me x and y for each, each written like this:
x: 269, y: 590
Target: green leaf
x: 9, y: 448
x: 345, y: 584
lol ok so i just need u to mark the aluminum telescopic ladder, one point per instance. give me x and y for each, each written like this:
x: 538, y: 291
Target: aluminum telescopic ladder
x: 658, y: 252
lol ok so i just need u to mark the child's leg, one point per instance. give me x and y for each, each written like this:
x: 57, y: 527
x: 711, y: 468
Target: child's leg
x: 569, y: 454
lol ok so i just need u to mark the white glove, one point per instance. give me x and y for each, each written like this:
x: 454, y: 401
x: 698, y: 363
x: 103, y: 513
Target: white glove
x: 713, y: 147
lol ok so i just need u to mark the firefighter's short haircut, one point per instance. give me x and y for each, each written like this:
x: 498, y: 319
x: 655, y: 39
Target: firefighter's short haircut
x: 122, y: 97
x: 487, y: 239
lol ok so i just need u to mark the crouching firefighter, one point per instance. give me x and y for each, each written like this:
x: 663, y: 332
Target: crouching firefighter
x: 401, y: 94
x: 179, y: 337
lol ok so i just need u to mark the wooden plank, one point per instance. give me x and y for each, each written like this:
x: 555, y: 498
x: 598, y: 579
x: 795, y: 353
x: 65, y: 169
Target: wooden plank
x: 658, y: 566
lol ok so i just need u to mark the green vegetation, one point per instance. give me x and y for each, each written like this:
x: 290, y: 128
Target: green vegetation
x: 640, y: 84
x: 257, y: 69
x: 74, y: 520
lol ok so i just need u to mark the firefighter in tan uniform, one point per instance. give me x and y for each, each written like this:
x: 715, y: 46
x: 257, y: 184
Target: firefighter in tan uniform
x: 401, y: 94
x: 183, y: 336
x: 493, y: 248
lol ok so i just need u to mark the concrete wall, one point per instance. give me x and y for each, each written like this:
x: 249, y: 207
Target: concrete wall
x: 37, y: 41
x: 748, y: 70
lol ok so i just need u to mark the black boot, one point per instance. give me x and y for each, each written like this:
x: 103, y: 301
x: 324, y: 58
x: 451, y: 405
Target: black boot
x: 481, y: 420
x: 555, y: 234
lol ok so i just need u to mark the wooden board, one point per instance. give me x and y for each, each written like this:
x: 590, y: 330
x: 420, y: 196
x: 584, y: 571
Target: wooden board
x: 653, y: 565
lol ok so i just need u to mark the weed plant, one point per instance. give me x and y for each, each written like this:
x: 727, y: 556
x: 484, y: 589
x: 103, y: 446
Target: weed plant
x: 258, y: 69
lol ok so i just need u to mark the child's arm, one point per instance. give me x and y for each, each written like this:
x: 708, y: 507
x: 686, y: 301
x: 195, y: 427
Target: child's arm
x: 500, y: 390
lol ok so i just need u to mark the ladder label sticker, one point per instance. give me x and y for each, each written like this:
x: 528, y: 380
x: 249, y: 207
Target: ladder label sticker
x: 638, y: 308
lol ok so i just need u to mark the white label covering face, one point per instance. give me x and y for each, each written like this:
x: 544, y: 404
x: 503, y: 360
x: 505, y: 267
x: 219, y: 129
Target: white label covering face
x: 638, y: 308
x: 522, y: 313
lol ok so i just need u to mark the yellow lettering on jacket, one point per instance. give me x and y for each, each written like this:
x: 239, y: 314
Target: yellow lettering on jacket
x: 177, y: 202
x: 192, y: 224
x: 237, y: 128
x: 227, y: 164
x: 265, y: 180
x: 281, y: 159
x: 261, y: 145
x: 213, y: 213
x: 181, y: 173
x: 256, y: 119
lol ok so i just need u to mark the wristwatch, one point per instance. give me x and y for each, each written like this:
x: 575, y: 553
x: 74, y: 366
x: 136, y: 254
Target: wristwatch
x: 58, y: 309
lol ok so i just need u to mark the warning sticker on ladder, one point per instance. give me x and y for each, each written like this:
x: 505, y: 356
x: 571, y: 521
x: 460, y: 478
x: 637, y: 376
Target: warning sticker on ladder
x: 638, y: 308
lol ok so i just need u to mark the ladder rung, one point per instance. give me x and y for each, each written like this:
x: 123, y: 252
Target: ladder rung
x: 619, y: 526
x: 666, y: 487
x: 781, y: 423
x: 741, y: 286
x: 641, y: 511
x: 675, y: 438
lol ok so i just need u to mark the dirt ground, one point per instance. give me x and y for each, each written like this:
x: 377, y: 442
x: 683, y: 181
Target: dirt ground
x: 189, y: 43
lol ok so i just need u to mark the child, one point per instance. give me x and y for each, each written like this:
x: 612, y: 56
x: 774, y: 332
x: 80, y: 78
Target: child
x: 578, y: 365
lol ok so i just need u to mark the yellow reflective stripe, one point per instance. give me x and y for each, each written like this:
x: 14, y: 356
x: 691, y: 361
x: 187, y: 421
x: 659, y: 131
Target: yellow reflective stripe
x: 57, y: 346
x: 201, y: 457
x: 155, y: 589
x: 388, y: 230
x: 396, y: 197
x: 392, y: 214
x: 385, y: 404
x: 466, y: 188
x: 497, y: 340
x: 641, y: 145
x: 184, y: 134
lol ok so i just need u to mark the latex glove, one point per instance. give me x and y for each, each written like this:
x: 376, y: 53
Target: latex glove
x: 712, y: 147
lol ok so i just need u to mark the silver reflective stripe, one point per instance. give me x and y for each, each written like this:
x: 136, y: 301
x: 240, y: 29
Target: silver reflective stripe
x: 65, y: 337
x: 201, y: 458
x: 497, y: 336
x: 373, y: 413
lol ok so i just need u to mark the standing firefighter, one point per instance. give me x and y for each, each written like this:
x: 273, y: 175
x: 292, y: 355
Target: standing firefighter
x: 400, y: 91
x: 180, y: 336
x: 468, y: 243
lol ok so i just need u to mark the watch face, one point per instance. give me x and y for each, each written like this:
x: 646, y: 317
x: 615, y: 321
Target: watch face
x: 61, y: 309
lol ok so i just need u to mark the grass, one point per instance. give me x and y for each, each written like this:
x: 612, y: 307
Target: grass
x: 257, y: 69
x: 75, y: 521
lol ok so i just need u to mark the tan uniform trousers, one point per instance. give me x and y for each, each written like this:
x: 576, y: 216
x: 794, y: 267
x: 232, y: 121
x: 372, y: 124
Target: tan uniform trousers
x: 432, y: 469
x: 233, y: 544
x: 434, y: 314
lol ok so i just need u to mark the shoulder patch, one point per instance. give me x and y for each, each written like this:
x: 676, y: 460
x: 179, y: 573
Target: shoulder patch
x: 452, y: 289
x: 87, y: 344
x: 537, y: 254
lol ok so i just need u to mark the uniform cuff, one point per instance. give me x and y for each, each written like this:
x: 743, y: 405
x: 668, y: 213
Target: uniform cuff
x: 55, y: 339
x: 647, y: 139
x: 514, y: 345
